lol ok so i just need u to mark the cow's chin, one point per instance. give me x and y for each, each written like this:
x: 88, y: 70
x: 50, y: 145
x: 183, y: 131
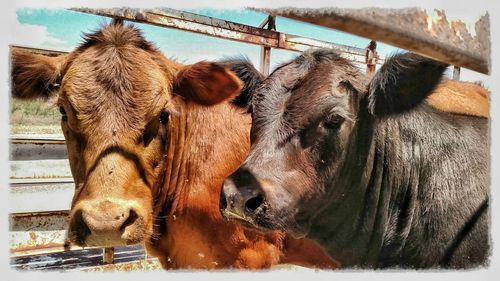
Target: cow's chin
x: 280, y: 220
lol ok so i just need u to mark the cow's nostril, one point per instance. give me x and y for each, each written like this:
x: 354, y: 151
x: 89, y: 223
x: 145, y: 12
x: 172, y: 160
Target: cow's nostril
x: 132, y: 217
x: 222, y: 201
x: 78, y: 228
x: 253, y: 203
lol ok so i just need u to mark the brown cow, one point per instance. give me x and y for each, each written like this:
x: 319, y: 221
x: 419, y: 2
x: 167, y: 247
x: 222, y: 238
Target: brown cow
x: 149, y: 143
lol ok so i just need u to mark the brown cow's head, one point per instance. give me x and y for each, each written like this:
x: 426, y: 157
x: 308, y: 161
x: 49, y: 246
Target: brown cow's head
x: 117, y: 95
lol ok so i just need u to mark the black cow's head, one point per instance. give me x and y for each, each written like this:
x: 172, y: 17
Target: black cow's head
x: 307, y: 117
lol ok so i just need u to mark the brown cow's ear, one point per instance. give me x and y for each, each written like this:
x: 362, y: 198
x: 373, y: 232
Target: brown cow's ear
x: 33, y: 75
x: 207, y: 83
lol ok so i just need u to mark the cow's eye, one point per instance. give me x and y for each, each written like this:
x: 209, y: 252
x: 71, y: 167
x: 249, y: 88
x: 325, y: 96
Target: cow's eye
x: 333, y: 121
x: 164, y: 116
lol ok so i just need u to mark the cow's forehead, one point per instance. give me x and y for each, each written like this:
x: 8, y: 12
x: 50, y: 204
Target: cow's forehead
x: 124, y: 87
x: 304, y: 83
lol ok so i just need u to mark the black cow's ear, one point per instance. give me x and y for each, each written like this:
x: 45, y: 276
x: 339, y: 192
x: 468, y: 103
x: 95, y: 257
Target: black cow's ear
x: 402, y: 83
x: 251, y: 78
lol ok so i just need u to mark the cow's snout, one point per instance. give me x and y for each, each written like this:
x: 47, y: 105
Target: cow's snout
x: 106, y: 223
x: 241, y: 196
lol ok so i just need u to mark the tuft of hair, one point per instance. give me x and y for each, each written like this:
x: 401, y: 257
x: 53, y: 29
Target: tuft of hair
x: 403, y: 82
x: 116, y: 34
x: 250, y: 76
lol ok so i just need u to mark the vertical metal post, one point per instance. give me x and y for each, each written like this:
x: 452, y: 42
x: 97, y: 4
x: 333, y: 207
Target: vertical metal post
x: 108, y: 255
x: 265, y: 52
x: 265, y: 60
x: 456, y: 73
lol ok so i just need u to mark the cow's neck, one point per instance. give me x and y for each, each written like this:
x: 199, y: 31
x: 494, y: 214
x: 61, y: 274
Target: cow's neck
x: 373, y: 191
x: 205, y: 145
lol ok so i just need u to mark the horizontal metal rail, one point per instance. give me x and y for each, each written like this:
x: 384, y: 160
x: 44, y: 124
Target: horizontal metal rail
x: 412, y: 29
x: 34, y: 148
x: 38, y: 139
x: 185, y: 21
x: 89, y: 259
x: 52, y: 53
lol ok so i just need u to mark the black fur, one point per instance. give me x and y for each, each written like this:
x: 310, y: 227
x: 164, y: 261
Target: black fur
x: 403, y: 82
x: 393, y: 182
x: 250, y: 76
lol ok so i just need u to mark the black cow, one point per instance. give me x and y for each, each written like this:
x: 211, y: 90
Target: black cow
x: 366, y: 168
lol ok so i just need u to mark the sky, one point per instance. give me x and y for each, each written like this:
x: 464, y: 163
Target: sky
x: 61, y: 29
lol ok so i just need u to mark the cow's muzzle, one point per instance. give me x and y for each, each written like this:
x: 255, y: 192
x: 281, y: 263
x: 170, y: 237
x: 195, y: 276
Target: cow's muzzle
x: 241, y: 197
x: 106, y: 224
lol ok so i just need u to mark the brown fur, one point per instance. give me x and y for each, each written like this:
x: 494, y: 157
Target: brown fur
x: 200, y: 81
x: 34, y: 80
x: 461, y: 98
x: 113, y: 89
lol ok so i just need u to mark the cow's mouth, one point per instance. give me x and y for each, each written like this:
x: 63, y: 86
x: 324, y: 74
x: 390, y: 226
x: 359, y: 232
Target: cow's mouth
x: 245, y: 221
x: 265, y: 222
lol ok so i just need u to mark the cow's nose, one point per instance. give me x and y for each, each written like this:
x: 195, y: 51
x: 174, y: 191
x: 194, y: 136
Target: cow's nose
x: 104, y: 224
x: 113, y: 219
x: 241, y: 196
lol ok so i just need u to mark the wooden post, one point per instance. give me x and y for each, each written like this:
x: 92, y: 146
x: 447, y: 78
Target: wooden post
x: 108, y: 255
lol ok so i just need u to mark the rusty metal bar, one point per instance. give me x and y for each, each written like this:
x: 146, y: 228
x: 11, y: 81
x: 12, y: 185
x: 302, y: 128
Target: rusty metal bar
x: 412, y: 29
x: 265, y: 52
x: 126, y: 258
x: 265, y: 22
x: 37, y: 139
x: 51, y: 53
x: 225, y: 29
x: 38, y: 51
x: 37, y: 230
x: 456, y: 73
x: 265, y: 60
